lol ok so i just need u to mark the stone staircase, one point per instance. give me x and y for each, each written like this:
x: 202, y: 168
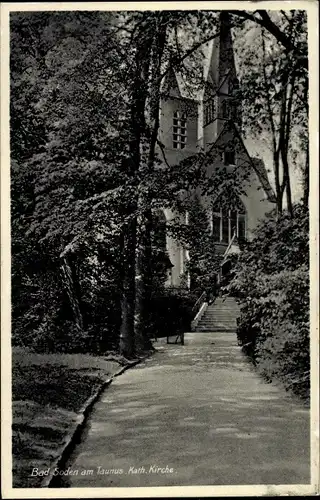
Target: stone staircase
x: 221, y: 316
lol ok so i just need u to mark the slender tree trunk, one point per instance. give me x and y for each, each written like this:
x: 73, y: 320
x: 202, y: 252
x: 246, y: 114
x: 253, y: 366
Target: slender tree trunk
x: 143, y: 282
x: 127, y: 344
x: 286, y: 138
x: 129, y: 340
x: 287, y: 184
x: 68, y: 281
x: 306, y: 181
x: 275, y: 140
x: 144, y: 247
x: 306, y: 173
x: 279, y: 192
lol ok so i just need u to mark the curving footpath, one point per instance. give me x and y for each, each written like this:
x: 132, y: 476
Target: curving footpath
x: 197, y: 414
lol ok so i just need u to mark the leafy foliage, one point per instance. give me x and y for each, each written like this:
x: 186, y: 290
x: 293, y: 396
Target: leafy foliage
x: 85, y: 94
x: 274, y: 96
x: 171, y: 311
x: 271, y: 280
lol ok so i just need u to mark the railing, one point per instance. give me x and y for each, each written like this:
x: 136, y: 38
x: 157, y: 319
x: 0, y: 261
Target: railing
x: 199, y: 302
x: 229, y: 246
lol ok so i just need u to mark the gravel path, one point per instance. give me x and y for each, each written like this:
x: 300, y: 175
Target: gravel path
x: 197, y: 414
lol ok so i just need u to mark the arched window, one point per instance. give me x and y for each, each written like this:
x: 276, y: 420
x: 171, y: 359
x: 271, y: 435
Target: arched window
x: 179, y: 130
x: 228, y: 220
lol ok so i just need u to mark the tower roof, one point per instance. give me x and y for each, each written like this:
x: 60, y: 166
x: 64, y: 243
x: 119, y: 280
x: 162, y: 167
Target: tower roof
x: 218, y: 65
x: 220, y: 62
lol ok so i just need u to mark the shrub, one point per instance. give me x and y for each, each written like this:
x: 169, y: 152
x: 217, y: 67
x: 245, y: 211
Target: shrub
x: 171, y: 311
x: 271, y: 280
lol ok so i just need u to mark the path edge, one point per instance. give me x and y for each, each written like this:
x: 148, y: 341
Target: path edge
x: 81, y: 422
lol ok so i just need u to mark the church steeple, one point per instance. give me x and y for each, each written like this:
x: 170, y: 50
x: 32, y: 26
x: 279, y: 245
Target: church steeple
x: 226, y: 64
x: 220, y: 104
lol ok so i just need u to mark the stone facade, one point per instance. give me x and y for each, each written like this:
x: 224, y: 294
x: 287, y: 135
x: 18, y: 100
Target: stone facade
x: 211, y: 122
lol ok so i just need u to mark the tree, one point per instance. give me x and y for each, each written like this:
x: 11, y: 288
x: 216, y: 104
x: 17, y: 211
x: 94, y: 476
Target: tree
x: 86, y: 168
x: 274, y: 91
x: 77, y: 163
x: 279, y: 31
x: 90, y: 84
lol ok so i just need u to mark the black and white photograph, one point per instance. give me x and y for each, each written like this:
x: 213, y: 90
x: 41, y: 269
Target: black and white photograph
x: 159, y: 274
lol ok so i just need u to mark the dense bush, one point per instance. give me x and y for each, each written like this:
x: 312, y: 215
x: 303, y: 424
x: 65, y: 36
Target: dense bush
x: 271, y: 280
x: 42, y: 316
x: 171, y: 311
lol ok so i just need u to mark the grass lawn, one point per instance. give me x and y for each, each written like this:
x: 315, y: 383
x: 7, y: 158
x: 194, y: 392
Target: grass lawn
x: 49, y: 392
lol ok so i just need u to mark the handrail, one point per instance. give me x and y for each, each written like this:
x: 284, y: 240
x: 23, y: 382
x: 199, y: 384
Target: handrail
x: 229, y: 246
x: 199, y: 300
x: 203, y: 296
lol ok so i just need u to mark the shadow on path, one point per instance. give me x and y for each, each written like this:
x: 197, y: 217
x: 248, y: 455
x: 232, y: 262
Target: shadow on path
x: 201, y: 412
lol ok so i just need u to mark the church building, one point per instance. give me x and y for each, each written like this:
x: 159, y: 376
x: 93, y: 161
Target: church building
x: 211, y: 122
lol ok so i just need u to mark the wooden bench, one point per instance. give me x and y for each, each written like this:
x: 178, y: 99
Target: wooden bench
x: 178, y: 336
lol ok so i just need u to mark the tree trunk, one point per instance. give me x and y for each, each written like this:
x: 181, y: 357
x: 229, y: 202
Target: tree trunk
x: 137, y: 124
x: 306, y: 181
x: 279, y: 191
x: 286, y: 139
x: 287, y: 185
x: 143, y: 282
x: 67, y: 279
x: 127, y: 345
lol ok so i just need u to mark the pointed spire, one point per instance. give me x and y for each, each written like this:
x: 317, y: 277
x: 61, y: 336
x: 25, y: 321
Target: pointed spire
x: 170, y: 84
x: 221, y: 53
x: 226, y: 54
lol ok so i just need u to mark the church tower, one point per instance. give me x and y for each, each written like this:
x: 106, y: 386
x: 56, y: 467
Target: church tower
x: 220, y: 101
x: 212, y: 121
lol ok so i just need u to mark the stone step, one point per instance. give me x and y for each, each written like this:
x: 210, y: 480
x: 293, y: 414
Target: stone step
x: 211, y: 313
x: 217, y: 325
x: 216, y: 329
x: 218, y: 309
x: 225, y: 317
x: 228, y: 315
x: 218, y: 320
x: 228, y: 323
x: 219, y: 315
x: 224, y: 304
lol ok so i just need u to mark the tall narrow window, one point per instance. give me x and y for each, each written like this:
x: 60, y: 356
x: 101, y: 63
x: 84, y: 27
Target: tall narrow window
x: 233, y: 222
x: 216, y: 223
x: 229, y: 157
x: 225, y: 109
x: 241, y: 227
x: 179, y: 130
x: 225, y: 226
x: 228, y: 222
x: 208, y: 111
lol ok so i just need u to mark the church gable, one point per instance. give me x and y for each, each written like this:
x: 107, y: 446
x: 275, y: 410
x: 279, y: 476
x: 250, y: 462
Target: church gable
x: 228, y: 147
x: 170, y: 86
x: 229, y: 151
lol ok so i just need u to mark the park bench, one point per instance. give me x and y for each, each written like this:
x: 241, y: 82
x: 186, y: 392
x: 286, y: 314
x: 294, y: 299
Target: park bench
x: 176, y: 341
